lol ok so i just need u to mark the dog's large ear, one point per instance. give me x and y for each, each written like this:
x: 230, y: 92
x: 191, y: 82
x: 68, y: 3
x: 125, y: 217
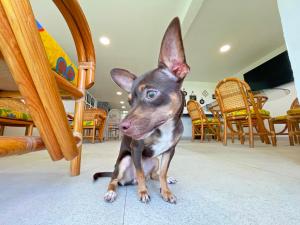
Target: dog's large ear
x: 172, y: 51
x: 123, y: 78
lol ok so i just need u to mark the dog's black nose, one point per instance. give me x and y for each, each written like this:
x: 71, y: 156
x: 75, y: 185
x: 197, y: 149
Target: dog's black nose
x: 125, y: 125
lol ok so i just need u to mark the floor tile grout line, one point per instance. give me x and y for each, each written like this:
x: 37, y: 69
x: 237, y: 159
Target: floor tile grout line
x: 124, y: 207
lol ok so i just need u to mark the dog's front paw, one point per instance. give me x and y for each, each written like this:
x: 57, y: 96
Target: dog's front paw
x: 168, y: 196
x: 110, y: 196
x: 171, y: 180
x: 144, y: 196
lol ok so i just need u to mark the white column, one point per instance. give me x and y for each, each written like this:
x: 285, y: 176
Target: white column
x: 290, y: 19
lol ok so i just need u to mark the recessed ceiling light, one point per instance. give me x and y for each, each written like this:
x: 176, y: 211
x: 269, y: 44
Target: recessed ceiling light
x: 119, y: 93
x: 122, y: 102
x: 104, y: 40
x: 225, y: 48
x: 123, y: 107
x: 125, y: 111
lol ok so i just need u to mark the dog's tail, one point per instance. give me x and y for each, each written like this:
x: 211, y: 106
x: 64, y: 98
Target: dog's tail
x: 102, y: 174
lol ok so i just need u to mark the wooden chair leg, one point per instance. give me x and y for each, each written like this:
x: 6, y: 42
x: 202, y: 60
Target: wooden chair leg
x: 296, y: 132
x: 78, y: 130
x: 99, y: 134
x: 241, y: 133
x: 291, y: 133
x: 218, y: 130
x: 29, y: 130
x: 2, y: 130
x: 225, y: 132
x: 260, y: 136
x: 297, y: 138
x: 272, y: 131
x: 251, y: 138
x: 193, y: 132
x: 202, y: 133
x: 232, y: 136
x: 93, y: 134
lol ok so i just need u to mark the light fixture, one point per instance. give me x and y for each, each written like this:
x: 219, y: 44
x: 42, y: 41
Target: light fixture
x: 123, y: 107
x: 125, y: 112
x: 122, y: 102
x: 104, y: 40
x: 225, y: 48
x: 119, y: 93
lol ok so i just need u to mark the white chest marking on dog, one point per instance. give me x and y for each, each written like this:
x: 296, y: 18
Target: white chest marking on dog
x: 165, y: 141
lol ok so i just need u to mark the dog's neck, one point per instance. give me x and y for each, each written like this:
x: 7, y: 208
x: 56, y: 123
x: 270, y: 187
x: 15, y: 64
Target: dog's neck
x: 171, y: 128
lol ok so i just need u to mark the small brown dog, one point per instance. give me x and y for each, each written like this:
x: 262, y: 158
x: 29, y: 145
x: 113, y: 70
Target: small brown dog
x: 153, y: 126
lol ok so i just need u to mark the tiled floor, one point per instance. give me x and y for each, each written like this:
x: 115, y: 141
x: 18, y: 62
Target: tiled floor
x: 216, y: 185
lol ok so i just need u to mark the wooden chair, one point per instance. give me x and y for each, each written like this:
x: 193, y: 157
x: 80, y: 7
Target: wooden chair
x: 238, y: 107
x: 94, y: 121
x: 40, y: 87
x: 201, y: 125
x: 293, y: 120
x: 13, y: 113
x: 282, y: 120
x: 112, y: 130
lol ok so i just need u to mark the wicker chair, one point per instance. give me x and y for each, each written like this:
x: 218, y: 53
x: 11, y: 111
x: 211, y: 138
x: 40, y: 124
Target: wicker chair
x: 293, y: 120
x: 93, y: 122
x: 238, y: 107
x: 14, y: 113
x: 282, y: 119
x: 32, y: 78
x: 201, y: 125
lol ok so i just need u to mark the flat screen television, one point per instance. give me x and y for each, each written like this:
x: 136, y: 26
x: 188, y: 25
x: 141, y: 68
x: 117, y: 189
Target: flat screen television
x: 275, y: 72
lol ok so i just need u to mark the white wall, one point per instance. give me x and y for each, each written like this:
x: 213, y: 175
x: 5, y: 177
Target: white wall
x: 280, y: 99
x: 290, y: 19
x: 198, y: 87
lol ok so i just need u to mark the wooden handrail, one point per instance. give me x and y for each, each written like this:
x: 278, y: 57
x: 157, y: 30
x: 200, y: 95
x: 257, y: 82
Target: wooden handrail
x: 21, y: 19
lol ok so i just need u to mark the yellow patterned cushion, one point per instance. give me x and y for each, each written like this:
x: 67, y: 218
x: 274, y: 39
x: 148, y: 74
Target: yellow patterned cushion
x: 277, y: 118
x: 244, y: 112
x: 294, y: 112
x: 58, y: 59
x: 11, y: 114
x: 86, y: 123
x: 209, y: 120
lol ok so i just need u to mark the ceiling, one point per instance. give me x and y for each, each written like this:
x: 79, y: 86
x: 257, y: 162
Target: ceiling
x: 135, y: 29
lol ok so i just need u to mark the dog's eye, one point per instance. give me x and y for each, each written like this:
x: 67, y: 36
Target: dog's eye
x: 151, y: 94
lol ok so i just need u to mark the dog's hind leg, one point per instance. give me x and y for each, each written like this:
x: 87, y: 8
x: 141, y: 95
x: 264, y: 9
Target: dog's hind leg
x: 154, y: 173
x: 118, y: 174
